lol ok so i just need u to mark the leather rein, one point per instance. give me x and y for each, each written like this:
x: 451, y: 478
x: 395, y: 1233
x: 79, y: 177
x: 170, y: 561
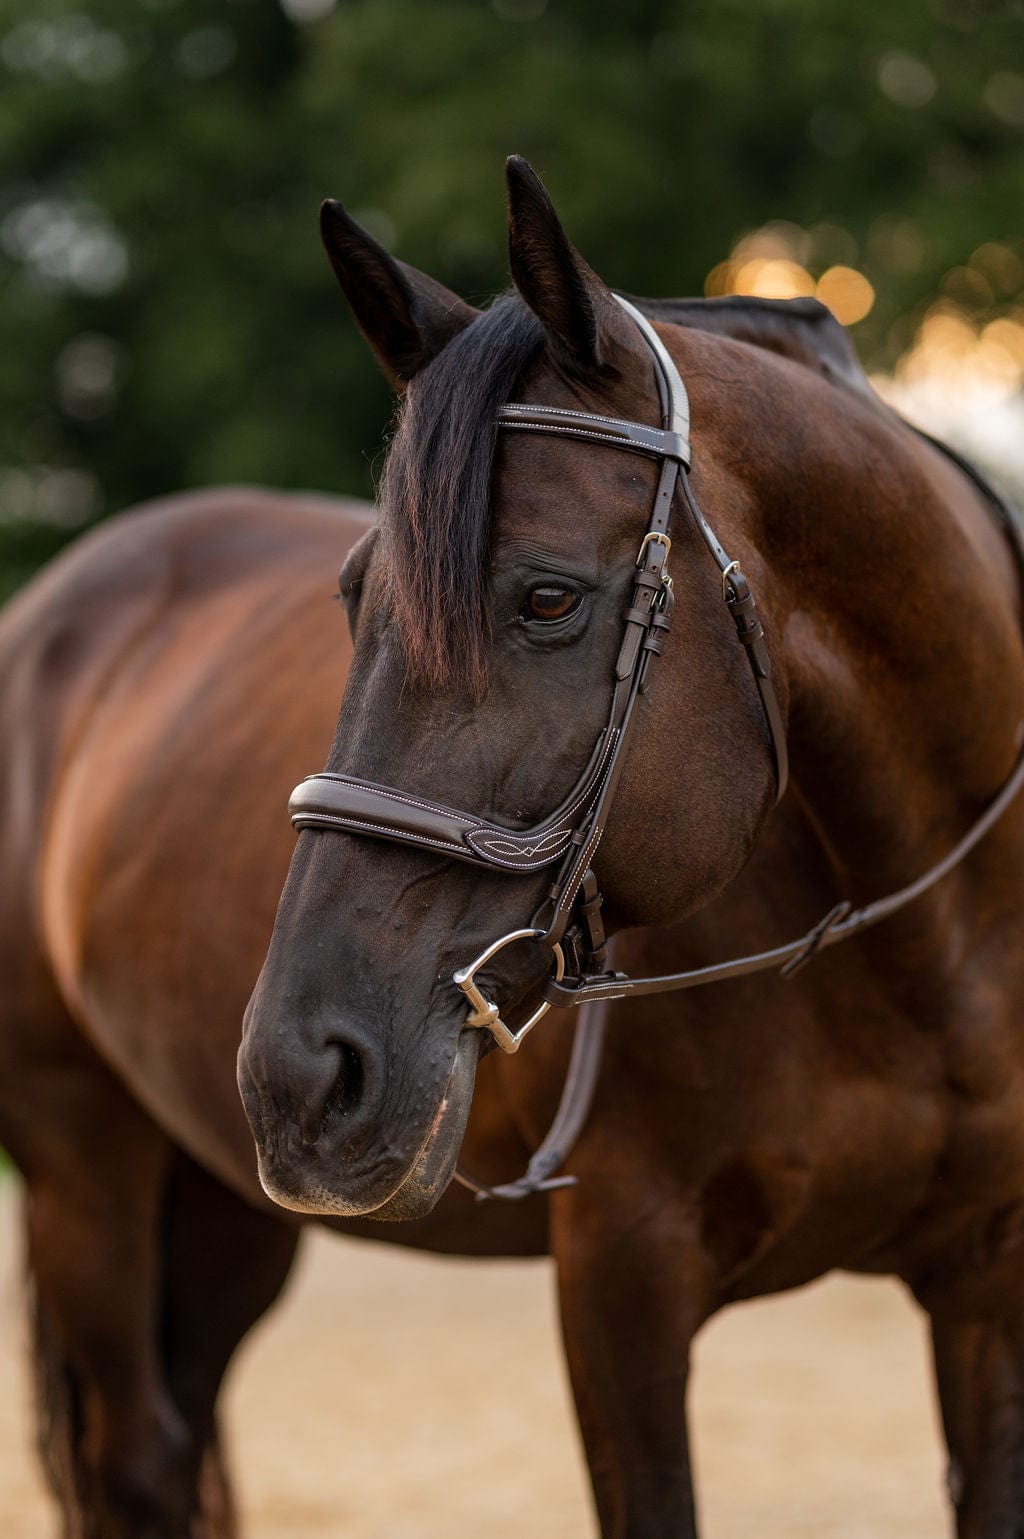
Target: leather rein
x: 569, y: 920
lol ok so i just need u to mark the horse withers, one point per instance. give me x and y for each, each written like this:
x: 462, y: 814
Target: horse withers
x: 865, y: 1110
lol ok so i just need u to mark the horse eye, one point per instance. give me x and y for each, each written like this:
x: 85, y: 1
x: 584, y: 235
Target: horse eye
x: 551, y: 603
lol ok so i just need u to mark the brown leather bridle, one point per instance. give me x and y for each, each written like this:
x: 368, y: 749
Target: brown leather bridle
x: 569, y: 920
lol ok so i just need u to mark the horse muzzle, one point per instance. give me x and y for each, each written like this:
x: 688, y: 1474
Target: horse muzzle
x: 338, y: 1131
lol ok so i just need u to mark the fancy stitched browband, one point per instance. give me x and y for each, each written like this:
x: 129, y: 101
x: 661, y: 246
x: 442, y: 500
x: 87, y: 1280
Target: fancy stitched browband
x: 569, y: 919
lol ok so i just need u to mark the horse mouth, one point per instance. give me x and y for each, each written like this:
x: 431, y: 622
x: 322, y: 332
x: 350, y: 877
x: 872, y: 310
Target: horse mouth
x: 434, y: 1165
x: 320, y: 1187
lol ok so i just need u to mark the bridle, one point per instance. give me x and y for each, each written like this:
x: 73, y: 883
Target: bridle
x: 569, y: 920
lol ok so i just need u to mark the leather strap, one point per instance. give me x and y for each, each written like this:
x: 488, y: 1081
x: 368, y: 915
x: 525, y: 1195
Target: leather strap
x: 742, y: 606
x: 349, y: 805
x: 839, y: 924
x: 636, y: 436
x: 573, y: 1110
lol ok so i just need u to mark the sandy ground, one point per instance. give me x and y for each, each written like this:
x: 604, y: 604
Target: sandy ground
x: 392, y: 1396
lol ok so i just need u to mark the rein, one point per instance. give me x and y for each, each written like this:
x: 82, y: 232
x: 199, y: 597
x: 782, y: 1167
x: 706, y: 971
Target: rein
x: 569, y: 920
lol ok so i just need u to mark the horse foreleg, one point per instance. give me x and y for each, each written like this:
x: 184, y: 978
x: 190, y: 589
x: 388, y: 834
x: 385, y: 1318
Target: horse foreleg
x: 628, y: 1319
x: 225, y: 1263
x: 144, y: 1274
x: 979, y: 1366
x: 117, y: 1450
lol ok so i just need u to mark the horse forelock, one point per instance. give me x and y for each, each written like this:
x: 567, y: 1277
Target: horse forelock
x: 435, y: 495
x: 435, y: 492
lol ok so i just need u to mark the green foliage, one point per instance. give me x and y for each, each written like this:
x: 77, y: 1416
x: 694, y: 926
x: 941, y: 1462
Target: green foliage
x: 168, y: 318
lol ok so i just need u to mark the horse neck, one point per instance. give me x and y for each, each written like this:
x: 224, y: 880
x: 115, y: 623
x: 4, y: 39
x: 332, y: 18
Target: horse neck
x: 895, y: 595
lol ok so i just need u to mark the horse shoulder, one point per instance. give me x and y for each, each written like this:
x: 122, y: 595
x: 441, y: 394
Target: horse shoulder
x: 162, y: 686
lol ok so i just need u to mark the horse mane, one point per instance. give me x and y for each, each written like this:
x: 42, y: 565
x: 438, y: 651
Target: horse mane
x: 435, y: 492
x: 803, y: 330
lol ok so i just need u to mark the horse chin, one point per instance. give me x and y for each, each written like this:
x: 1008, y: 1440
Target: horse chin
x: 428, y: 1177
x: 434, y: 1166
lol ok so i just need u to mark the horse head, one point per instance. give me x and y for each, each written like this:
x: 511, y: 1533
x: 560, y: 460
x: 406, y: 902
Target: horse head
x: 488, y: 622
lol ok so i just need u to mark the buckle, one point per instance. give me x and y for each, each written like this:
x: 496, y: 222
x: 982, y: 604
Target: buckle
x: 484, y: 1011
x: 653, y: 537
x: 727, y: 572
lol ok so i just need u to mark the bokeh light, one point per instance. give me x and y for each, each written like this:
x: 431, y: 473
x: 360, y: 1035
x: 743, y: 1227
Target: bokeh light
x: 780, y: 260
x: 958, y: 367
x: 846, y: 292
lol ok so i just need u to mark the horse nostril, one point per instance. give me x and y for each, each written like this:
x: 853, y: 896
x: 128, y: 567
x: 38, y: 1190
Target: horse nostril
x: 346, y: 1094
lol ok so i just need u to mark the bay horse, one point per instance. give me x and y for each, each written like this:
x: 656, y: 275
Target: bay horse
x: 866, y: 1110
x: 168, y: 679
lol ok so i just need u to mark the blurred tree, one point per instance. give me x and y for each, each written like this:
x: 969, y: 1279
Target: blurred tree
x: 168, y: 319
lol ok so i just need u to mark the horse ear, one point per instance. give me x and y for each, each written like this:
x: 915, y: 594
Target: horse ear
x: 565, y: 294
x: 406, y: 317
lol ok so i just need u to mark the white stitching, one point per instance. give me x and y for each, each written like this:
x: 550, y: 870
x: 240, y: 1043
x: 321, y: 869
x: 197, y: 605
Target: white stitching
x: 494, y: 844
x: 529, y: 862
x: 581, y: 866
x: 518, y: 865
x: 336, y: 819
x: 564, y: 411
x: 395, y: 796
x: 632, y: 444
x: 477, y: 830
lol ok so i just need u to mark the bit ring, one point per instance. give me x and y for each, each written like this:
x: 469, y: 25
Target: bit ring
x: 483, y: 1011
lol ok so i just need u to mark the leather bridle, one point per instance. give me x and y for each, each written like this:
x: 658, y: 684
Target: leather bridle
x: 569, y: 920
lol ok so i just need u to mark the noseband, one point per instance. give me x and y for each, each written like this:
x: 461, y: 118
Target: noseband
x: 569, y: 920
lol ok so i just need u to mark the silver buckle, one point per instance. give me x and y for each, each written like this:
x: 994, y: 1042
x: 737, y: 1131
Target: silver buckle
x: 653, y: 537
x: 484, y: 1011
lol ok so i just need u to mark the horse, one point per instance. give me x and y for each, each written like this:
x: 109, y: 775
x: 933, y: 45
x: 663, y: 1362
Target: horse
x: 166, y: 680
x: 862, y: 1110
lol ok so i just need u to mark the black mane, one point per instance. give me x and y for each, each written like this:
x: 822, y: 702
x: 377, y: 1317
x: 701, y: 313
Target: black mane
x: 435, y: 493
x: 801, y: 329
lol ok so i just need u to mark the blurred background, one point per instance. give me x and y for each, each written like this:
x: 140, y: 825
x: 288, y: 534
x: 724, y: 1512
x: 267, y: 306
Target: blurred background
x: 168, y: 319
